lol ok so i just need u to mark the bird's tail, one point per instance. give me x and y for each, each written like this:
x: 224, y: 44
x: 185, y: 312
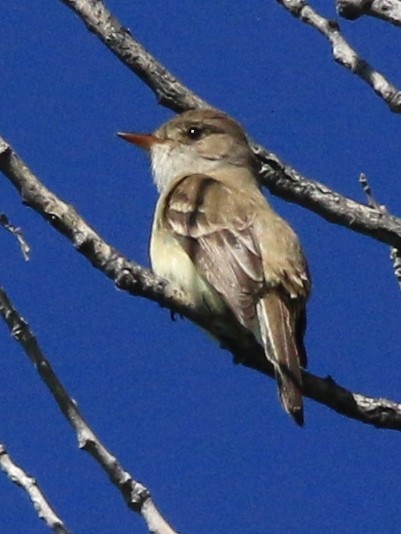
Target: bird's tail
x: 279, y: 340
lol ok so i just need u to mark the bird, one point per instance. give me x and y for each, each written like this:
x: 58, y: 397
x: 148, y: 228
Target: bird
x: 216, y: 237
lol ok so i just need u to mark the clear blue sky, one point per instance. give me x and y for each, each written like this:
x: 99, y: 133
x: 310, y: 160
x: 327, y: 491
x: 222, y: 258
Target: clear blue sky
x: 208, y: 438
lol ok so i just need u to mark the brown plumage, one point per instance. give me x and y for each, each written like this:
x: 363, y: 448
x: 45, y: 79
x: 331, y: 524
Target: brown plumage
x: 215, y: 235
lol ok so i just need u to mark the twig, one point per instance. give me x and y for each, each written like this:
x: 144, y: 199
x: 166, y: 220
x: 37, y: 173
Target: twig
x: 17, y: 475
x: 135, y: 494
x: 372, y: 202
x: 344, y: 54
x: 395, y: 254
x: 17, y: 233
x: 139, y: 281
x: 388, y: 10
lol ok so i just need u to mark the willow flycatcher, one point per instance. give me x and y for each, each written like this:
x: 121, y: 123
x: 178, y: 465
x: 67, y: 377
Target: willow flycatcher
x: 216, y: 237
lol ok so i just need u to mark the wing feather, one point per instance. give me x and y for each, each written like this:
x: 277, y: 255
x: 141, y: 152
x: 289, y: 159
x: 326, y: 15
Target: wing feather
x: 204, y: 214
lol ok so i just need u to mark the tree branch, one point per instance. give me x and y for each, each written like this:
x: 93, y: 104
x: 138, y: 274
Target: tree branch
x: 344, y: 54
x: 169, y: 91
x: 139, y: 281
x: 135, y: 494
x: 29, y: 484
x: 388, y: 10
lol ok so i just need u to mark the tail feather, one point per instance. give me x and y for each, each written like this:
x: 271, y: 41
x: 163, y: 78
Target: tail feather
x: 279, y: 340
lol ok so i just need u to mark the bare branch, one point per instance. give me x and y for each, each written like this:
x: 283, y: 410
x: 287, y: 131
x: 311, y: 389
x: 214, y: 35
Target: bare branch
x: 287, y: 183
x: 139, y: 281
x: 135, y: 494
x: 29, y: 484
x: 388, y: 10
x: 344, y: 54
x: 17, y: 233
x: 169, y: 91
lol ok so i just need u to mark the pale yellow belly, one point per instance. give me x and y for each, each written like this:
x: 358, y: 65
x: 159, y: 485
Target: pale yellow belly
x: 170, y: 261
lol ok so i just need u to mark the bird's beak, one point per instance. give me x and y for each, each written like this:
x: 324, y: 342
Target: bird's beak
x: 145, y: 141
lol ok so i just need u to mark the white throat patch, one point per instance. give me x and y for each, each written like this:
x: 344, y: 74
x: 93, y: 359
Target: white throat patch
x: 171, y: 161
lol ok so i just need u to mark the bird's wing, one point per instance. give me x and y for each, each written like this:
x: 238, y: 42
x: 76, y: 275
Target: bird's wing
x: 251, y: 257
x: 218, y: 237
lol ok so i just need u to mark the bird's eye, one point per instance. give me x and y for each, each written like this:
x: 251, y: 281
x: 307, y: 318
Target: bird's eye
x: 194, y: 132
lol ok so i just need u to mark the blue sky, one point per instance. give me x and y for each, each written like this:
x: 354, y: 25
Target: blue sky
x: 208, y: 438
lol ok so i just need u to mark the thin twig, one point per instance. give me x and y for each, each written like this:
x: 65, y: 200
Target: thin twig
x: 139, y: 281
x: 17, y: 233
x: 395, y: 254
x: 135, y: 494
x: 17, y: 475
x: 387, y: 10
x: 344, y: 54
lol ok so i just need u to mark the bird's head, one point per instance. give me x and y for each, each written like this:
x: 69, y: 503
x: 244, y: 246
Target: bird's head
x: 197, y: 141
